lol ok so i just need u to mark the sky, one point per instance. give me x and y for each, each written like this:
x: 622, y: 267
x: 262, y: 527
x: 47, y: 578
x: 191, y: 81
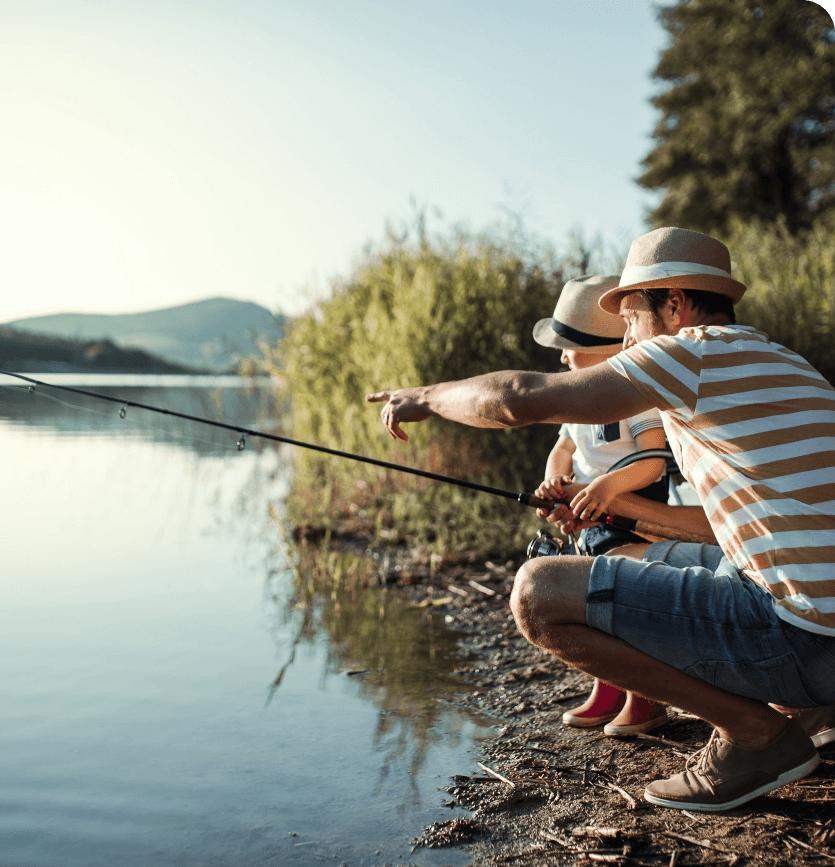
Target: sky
x: 155, y: 153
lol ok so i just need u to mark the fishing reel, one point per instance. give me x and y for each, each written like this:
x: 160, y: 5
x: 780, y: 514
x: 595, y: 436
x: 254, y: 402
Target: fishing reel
x: 545, y: 545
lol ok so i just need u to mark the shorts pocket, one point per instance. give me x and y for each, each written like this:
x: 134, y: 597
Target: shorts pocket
x: 774, y: 680
x: 782, y: 673
x: 817, y: 666
x: 704, y: 669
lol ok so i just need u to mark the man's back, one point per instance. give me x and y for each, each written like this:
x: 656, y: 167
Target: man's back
x: 753, y: 426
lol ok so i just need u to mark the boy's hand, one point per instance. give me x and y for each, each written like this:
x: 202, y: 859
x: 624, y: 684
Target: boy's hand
x: 563, y: 516
x: 553, y: 489
x: 590, y: 503
x: 570, y: 523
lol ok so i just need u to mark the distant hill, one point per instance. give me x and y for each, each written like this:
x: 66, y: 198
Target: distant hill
x: 36, y: 353
x: 212, y: 335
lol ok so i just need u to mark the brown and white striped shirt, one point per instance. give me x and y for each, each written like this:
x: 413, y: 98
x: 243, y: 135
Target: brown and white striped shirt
x: 752, y: 426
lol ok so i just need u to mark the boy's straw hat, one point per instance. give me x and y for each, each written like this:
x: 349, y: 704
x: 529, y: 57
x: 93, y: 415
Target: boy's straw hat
x: 578, y: 322
x: 675, y: 259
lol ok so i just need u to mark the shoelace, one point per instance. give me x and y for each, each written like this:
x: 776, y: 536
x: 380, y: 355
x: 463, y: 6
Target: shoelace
x: 702, y: 754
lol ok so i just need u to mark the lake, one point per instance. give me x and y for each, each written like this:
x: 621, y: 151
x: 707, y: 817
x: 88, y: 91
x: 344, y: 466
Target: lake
x: 170, y: 696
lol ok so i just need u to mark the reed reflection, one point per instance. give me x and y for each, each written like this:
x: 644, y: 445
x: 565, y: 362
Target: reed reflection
x: 400, y: 657
x: 55, y: 411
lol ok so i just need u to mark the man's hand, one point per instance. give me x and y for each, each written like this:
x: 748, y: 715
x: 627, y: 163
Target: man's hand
x: 402, y: 405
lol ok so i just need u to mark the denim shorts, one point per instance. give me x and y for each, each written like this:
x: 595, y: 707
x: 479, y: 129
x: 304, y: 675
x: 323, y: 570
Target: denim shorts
x: 599, y: 540
x: 687, y: 605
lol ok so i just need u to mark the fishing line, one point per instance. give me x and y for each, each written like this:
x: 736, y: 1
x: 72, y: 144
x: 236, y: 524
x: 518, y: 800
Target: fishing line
x: 139, y: 431
x: 20, y: 388
x: 176, y: 433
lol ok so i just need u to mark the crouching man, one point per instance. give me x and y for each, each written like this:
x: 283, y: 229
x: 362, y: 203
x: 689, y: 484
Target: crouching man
x: 722, y: 632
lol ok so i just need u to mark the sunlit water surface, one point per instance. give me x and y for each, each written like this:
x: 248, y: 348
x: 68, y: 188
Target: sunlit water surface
x: 147, y: 615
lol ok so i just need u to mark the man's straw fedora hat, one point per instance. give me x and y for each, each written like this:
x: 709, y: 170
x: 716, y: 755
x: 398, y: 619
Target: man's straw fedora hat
x: 578, y: 322
x: 675, y: 259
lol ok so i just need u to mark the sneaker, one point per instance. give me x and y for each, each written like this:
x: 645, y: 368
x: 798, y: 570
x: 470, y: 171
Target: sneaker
x: 818, y: 723
x: 640, y: 715
x: 724, y: 775
x: 604, y: 704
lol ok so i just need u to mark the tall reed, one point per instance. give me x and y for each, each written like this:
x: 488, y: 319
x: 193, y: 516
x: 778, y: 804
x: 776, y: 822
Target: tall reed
x: 419, y: 312
x: 429, y: 310
x: 791, y: 289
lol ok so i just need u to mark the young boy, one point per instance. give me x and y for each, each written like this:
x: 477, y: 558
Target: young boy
x: 584, y: 454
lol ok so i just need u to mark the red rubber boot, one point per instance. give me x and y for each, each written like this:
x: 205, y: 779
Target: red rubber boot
x: 604, y: 704
x: 639, y: 715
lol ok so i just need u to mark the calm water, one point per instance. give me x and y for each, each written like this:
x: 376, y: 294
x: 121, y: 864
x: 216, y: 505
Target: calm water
x: 147, y: 615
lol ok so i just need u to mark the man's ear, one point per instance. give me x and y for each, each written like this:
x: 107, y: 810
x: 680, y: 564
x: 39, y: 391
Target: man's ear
x: 676, y: 300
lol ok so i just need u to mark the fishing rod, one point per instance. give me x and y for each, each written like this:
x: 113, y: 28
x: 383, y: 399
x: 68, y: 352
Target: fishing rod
x: 243, y: 432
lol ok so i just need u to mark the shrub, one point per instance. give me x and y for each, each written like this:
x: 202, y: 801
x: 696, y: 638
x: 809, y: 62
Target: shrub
x: 416, y: 313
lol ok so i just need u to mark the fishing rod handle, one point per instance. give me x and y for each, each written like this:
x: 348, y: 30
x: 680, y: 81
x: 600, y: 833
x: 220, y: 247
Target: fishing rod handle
x: 616, y: 521
x: 537, y: 502
x: 669, y: 533
x: 659, y: 530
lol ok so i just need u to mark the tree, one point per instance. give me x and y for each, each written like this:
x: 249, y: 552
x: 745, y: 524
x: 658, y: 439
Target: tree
x: 747, y: 131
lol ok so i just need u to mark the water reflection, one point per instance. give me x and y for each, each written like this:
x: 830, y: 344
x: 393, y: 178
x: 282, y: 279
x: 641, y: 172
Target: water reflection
x: 67, y: 413
x: 139, y: 648
x: 399, y: 657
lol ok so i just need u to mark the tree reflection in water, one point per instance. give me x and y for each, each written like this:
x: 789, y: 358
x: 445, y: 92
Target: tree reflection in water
x: 400, y: 657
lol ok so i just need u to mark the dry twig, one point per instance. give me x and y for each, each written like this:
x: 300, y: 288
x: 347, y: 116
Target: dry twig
x: 631, y: 803
x: 554, y: 838
x: 793, y: 821
x: 810, y: 848
x: 567, y: 696
x: 667, y: 743
x: 495, y: 774
x: 430, y: 602
x: 589, y: 831
x: 703, y: 843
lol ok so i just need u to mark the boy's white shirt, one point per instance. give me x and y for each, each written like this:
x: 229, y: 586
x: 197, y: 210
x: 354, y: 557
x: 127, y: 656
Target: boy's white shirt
x: 593, y: 456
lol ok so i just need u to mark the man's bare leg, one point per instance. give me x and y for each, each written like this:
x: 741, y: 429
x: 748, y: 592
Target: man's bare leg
x: 549, y: 604
x: 633, y: 551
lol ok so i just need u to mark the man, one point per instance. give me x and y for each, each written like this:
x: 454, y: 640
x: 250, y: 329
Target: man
x: 720, y: 633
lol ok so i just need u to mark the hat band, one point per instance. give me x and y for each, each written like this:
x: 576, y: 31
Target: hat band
x: 633, y: 274
x: 580, y: 337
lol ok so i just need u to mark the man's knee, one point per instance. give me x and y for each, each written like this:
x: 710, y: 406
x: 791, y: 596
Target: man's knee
x: 547, y: 592
x: 523, y: 595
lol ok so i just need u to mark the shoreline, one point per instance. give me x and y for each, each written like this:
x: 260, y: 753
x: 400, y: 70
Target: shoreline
x: 547, y: 794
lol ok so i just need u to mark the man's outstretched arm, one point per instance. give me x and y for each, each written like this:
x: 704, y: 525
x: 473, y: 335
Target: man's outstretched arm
x: 514, y: 398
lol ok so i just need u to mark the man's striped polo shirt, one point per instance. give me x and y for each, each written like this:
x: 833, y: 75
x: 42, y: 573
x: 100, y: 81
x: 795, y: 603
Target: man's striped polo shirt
x: 752, y: 426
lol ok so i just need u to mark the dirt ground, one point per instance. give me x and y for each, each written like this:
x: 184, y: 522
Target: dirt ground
x: 552, y: 795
